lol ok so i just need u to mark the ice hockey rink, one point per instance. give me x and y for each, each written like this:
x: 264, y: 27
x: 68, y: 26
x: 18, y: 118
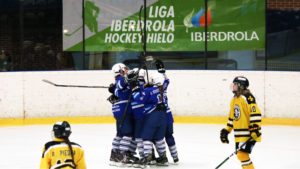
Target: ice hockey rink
x: 198, y: 145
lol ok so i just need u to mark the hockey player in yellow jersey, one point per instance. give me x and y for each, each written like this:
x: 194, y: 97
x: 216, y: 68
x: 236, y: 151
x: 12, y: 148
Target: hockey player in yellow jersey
x: 244, y: 119
x: 61, y: 153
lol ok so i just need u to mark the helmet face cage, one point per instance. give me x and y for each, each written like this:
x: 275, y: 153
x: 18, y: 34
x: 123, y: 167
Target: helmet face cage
x: 62, y: 129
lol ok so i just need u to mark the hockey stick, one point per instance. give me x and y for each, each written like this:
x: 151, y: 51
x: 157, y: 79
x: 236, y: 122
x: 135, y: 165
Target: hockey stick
x: 60, y: 85
x: 143, y: 33
x: 235, y: 152
x: 70, y: 34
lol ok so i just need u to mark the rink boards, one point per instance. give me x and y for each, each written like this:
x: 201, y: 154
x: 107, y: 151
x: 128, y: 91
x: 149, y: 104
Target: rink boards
x: 195, y: 96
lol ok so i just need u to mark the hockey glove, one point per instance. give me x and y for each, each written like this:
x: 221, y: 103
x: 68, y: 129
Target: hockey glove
x: 254, y: 131
x: 113, y: 99
x: 135, y: 86
x: 131, y: 77
x: 160, y: 66
x: 111, y: 88
x: 224, y: 136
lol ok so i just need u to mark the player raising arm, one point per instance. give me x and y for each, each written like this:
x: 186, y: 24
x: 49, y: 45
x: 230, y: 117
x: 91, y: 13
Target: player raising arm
x: 169, y: 131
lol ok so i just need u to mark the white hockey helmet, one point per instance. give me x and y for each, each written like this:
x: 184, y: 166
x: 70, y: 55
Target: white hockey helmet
x: 142, y: 74
x: 157, y: 79
x: 119, y: 68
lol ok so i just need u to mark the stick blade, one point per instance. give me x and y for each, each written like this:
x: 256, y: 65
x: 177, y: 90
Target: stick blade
x: 149, y: 58
x: 47, y: 81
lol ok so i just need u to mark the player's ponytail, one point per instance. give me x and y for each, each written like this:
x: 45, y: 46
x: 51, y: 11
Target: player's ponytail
x: 67, y: 141
x: 242, y: 92
x: 247, y: 91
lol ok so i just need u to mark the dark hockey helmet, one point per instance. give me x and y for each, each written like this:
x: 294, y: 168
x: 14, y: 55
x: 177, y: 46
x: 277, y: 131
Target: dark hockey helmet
x: 242, y: 82
x: 62, y: 129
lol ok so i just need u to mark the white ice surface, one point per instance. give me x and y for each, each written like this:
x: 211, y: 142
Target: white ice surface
x: 198, y: 146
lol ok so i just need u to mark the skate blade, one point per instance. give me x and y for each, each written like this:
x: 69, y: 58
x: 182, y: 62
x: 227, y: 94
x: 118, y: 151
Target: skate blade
x: 145, y: 166
x: 153, y: 162
x: 136, y: 165
x: 124, y: 165
x: 162, y: 164
x: 113, y: 163
x: 174, y: 164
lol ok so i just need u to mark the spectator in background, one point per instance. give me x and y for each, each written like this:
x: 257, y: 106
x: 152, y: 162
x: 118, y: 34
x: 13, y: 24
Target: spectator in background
x: 5, y: 61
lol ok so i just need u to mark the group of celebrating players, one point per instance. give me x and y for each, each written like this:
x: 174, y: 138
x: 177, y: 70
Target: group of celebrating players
x: 143, y: 117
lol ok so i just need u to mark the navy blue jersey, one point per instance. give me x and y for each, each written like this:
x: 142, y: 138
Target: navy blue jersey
x: 122, y: 91
x: 166, y: 82
x: 141, y: 84
x: 169, y: 113
x: 150, y: 97
x: 155, y: 120
x: 138, y: 109
x: 137, y: 106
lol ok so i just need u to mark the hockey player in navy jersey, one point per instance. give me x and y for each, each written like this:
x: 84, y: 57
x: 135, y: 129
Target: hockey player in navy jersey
x: 155, y: 120
x: 138, y: 108
x: 123, y: 140
x: 169, y: 132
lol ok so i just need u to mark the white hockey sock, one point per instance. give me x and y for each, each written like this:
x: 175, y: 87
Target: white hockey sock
x: 140, y: 146
x: 125, y: 143
x: 160, y: 146
x: 173, y: 151
x: 116, y: 143
x: 147, y: 148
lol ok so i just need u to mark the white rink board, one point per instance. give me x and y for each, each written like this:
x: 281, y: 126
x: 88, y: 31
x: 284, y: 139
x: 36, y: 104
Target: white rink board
x: 45, y: 100
x: 282, y: 94
x: 11, y: 95
x: 191, y: 93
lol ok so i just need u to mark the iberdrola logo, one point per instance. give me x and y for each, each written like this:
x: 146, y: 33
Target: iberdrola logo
x: 197, y: 20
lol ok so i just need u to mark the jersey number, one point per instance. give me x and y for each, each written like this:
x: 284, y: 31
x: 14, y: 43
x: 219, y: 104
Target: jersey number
x: 159, y: 99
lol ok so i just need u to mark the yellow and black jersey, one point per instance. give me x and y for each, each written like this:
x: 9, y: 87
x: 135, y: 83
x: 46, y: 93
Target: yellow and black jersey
x: 57, y: 155
x: 243, y: 113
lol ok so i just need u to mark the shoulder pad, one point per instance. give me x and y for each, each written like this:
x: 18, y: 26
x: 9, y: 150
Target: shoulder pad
x: 50, y: 144
x: 250, y: 98
x: 53, y: 143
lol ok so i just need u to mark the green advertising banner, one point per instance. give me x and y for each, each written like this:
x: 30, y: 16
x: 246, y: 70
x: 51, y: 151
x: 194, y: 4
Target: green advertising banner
x: 172, y: 25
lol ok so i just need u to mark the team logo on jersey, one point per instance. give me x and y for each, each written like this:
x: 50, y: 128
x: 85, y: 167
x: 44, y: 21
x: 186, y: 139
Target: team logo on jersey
x: 237, y: 112
x: 250, y: 99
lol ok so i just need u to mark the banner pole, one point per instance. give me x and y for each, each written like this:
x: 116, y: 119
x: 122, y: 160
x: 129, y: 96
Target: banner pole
x: 145, y: 39
x: 266, y: 37
x: 83, y: 36
x: 205, y: 42
x: 145, y: 31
